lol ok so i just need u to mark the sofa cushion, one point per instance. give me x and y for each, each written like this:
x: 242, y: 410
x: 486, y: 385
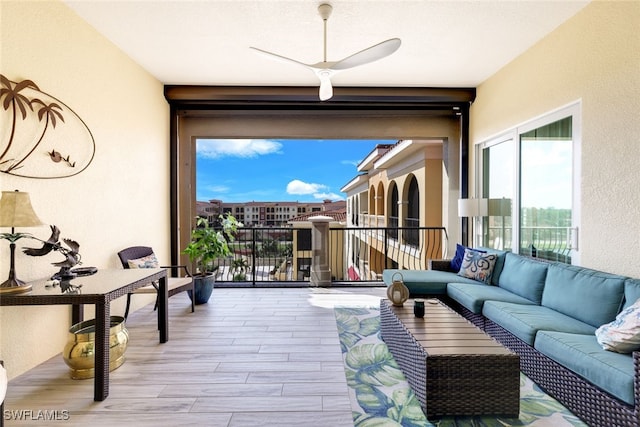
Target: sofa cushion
x: 424, y: 282
x: 524, y: 277
x: 623, y: 334
x: 524, y: 321
x: 612, y: 372
x: 570, y: 289
x: 631, y: 292
x: 473, y: 296
x: 477, y: 265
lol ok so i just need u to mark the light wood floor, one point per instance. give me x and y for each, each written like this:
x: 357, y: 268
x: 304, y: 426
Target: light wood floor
x: 250, y: 357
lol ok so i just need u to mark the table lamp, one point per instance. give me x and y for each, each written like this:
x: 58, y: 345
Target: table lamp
x: 15, y: 211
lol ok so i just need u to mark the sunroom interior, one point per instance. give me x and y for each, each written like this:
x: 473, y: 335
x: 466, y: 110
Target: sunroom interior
x: 138, y: 188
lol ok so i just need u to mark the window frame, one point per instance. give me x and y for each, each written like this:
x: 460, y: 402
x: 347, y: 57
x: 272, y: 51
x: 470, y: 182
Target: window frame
x: 573, y: 110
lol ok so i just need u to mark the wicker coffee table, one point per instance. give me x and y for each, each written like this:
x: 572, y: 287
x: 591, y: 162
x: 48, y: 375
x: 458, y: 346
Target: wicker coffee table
x: 452, y: 366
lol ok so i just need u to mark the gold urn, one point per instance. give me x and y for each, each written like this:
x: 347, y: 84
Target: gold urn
x: 79, y: 351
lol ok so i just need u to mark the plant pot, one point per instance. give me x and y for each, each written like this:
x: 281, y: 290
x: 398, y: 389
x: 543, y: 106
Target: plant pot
x: 79, y: 351
x: 203, y: 288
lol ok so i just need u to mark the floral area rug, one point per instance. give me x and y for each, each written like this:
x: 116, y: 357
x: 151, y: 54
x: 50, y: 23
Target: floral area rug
x: 380, y: 395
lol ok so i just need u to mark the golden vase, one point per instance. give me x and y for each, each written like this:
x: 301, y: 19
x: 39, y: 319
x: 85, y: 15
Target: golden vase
x: 79, y: 351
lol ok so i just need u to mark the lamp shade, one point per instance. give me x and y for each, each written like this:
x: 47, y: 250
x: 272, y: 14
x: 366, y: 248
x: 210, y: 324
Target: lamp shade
x: 16, y: 210
x: 500, y: 207
x: 472, y: 207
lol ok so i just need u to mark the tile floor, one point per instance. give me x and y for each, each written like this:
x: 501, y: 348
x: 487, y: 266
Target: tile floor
x: 250, y: 357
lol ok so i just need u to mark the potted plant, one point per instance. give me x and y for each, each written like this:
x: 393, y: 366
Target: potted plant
x: 208, y: 244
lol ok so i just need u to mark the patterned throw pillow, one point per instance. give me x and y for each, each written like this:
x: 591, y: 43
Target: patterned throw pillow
x: 456, y: 261
x: 149, y: 261
x: 477, y: 265
x: 623, y: 334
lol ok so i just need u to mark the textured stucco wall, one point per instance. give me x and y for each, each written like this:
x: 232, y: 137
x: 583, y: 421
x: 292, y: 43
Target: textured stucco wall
x: 593, y: 58
x: 120, y: 200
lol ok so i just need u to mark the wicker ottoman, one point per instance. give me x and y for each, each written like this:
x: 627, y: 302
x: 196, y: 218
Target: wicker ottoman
x: 452, y: 366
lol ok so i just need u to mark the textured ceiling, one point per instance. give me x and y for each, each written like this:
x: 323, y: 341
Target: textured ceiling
x: 444, y: 43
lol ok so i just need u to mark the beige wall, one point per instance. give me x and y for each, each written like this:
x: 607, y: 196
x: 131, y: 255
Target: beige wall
x: 593, y: 58
x: 120, y: 200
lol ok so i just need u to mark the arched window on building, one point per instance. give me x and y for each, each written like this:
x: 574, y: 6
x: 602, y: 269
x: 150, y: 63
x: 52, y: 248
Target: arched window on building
x: 380, y: 202
x: 392, y: 221
x: 412, y: 219
x: 372, y: 203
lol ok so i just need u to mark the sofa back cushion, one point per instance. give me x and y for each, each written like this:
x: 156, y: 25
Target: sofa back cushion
x: 588, y: 295
x: 497, y: 268
x: 524, y: 277
x: 631, y: 292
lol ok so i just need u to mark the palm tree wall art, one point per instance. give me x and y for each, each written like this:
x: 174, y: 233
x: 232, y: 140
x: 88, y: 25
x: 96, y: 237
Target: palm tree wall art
x: 40, y: 136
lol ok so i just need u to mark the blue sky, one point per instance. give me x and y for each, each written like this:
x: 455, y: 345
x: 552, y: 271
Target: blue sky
x: 245, y: 170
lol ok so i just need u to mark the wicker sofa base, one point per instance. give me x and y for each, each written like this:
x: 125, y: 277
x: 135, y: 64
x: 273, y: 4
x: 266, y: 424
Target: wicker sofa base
x: 585, y: 400
x: 454, y: 384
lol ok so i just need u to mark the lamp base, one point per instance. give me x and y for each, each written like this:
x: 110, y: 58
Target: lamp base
x: 14, y: 286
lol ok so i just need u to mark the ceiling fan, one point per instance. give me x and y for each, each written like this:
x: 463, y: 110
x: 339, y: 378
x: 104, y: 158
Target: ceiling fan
x: 326, y: 69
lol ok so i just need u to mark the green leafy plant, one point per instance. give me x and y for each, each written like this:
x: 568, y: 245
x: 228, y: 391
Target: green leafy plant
x: 207, y: 243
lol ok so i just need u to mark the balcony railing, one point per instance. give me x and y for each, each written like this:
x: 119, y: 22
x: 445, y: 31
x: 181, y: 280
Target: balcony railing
x: 367, y: 251
x: 266, y: 256
x: 549, y: 243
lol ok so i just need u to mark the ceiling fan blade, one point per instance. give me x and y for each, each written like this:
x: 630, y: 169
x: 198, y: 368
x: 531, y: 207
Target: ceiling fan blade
x: 326, y: 89
x: 280, y: 57
x: 368, y: 55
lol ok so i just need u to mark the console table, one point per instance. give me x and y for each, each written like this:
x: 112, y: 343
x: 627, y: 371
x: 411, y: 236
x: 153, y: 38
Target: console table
x: 452, y: 366
x: 99, y: 289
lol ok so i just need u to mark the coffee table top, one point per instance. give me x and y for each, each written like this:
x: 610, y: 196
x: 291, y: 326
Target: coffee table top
x: 442, y: 331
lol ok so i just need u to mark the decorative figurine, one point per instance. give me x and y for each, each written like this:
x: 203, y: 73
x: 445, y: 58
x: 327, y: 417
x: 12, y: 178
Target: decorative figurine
x: 53, y: 244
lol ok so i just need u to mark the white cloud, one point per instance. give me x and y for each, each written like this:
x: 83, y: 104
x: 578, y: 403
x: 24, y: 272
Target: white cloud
x: 217, y: 148
x: 329, y: 196
x: 315, y: 190
x: 217, y: 188
x: 299, y: 187
x: 350, y: 162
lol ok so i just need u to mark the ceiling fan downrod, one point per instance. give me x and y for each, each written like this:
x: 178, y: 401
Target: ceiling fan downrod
x: 325, y: 12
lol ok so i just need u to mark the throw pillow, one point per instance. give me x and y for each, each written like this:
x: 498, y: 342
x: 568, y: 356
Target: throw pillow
x: 477, y: 265
x: 456, y: 262
x: 149, y: 261
x: 623, y: 334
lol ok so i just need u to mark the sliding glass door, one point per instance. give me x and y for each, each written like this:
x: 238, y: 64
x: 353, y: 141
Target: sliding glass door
x: 530, y: 177
x: 546, y: 191
x: 499, y: 183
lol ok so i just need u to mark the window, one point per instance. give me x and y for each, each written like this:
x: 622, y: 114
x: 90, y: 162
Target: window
x: 499, y: 178
x: 304, y: 239
x: 545, y: 191
x: 413, y: 213
x: 530, y: 177
x: 393, y: 212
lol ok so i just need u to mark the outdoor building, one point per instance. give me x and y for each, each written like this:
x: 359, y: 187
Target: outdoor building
x: 264, y: 214
x: 393, y: 205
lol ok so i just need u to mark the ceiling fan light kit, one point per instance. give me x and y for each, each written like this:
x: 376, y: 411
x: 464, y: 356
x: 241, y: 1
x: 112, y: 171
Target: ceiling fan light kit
x: 324, y: 70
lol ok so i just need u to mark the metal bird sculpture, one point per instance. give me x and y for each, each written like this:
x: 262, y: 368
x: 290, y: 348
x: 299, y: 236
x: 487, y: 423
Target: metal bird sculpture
x: 73, y: 257
x: 49, y: 244
x: 71, y: 252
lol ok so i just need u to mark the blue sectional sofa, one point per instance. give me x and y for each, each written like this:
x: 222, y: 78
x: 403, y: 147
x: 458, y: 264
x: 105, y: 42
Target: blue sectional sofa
x: 548, y: 313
